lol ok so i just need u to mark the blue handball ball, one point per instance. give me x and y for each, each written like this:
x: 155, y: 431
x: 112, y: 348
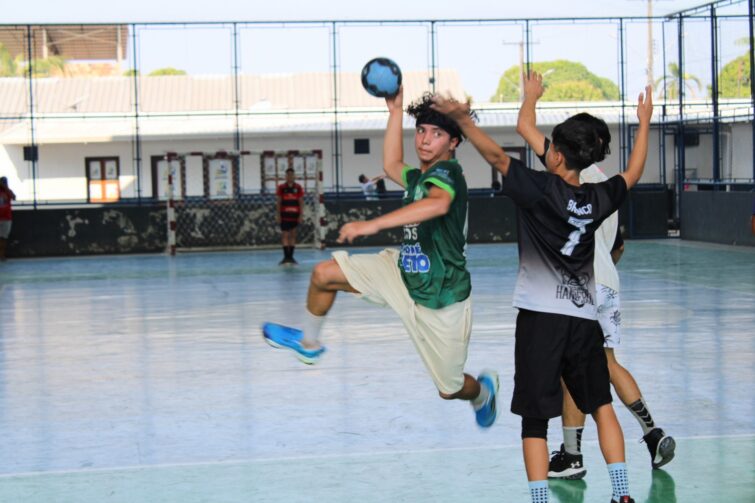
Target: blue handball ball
x: 381, y: 77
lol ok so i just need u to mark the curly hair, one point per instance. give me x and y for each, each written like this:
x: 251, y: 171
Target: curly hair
x: 583, y: 140
x: 423, y: 114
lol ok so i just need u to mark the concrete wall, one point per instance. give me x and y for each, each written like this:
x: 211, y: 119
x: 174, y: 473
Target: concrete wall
x: 142, y: 229
x: 717, y: 217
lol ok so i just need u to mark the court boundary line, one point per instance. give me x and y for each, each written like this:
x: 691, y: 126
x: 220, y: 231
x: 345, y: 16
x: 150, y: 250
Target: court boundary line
x: 310, y: 457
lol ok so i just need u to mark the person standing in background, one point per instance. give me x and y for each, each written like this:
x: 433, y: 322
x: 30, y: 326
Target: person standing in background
x: 290, y: 199
x: 370, y: 187
x: 6, y: 218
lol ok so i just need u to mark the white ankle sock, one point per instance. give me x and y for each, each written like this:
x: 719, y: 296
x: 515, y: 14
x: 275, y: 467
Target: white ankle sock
x: 480, y: 400
x: 312, y: 327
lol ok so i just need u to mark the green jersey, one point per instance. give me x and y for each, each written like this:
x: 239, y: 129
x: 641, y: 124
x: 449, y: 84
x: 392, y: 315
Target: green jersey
x: 433, y: 260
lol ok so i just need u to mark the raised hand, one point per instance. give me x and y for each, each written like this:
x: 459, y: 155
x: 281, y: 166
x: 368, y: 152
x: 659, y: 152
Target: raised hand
x: 396, y: 102
x: 645, y: 106
x: 533, y: 85
x: 450, y: 107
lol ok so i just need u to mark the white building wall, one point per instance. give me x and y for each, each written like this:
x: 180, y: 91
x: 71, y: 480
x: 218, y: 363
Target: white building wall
x: 742, y: 151
x: 61, y: 169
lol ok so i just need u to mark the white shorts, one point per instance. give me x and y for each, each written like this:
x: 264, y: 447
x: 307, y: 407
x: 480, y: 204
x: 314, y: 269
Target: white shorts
x: 441, y: 336
x: 5, y: 226
x: 609, y: 315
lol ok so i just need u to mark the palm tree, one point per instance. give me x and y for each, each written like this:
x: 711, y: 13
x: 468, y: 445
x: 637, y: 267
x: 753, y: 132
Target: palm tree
x: 671, y: 90
x: 8, y: 65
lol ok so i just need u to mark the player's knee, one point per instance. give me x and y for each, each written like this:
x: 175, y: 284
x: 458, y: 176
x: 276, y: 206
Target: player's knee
x: 322, y: 274
x: 534, y: 427
x: 447, y: 396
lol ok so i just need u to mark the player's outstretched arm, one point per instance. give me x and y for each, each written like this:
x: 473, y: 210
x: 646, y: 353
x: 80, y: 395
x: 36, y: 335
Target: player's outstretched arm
x: 393, y: 144
x: 526, y: 124
x: 435, y: 204
x: 485, y: 145
x: 636, y: 164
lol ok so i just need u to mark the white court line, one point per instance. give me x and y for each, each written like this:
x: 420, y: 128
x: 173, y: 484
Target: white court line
x: 312, y: 457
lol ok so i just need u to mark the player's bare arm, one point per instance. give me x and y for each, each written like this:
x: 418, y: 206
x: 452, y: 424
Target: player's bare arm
x: 393, y: 145
x: 485, y: 145
x: 636, y: 164
x: 526, y: 124
x: 617, y: 253
x: 436, y: 204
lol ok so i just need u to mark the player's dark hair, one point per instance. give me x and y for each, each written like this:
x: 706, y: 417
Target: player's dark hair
x: 601, y: 128
x: 362, y: 178
x: 583, y: 140
x: 423, y: 114
x: 291, y: 170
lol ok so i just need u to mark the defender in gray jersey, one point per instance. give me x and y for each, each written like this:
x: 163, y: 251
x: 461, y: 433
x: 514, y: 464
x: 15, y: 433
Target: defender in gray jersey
x: 567, y: 462
x: 557, y: 335
x: 426, y: 282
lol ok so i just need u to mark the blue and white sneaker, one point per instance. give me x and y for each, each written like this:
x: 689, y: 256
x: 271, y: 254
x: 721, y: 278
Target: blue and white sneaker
x: 486, y: 415
x: 280, y: 336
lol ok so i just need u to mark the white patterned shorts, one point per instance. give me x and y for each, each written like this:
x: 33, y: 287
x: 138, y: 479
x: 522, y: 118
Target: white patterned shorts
x: 609, y: 315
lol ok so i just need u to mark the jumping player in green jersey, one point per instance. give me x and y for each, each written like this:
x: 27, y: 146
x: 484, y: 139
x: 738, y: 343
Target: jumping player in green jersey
x: 426, y: 281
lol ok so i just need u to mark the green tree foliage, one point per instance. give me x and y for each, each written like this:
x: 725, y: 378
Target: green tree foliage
x: 734, y: 79
x: 671, y: 91
x: 15, y: 67
x: 52, y: 66
x: 9, y: 66
x: 564, y: 81
x: 166, y: 71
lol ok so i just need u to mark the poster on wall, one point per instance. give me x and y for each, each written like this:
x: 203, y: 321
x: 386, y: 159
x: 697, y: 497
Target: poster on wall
x: 298, y: 162
x: 270, y: 177
x: 111, y: 170
x: 221, y: 180
x: 95, y: 170
x: 310, y: 163
x: 162, y: 179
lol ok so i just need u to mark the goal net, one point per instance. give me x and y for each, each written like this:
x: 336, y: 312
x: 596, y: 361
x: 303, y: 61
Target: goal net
x: 207, y: 209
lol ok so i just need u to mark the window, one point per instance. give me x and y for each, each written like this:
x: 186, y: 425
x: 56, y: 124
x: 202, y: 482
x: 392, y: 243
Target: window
x: 361, y: 145
x: 103, y: 179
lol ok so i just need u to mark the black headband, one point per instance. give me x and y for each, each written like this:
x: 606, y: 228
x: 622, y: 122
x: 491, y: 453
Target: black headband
x: 436, y: 119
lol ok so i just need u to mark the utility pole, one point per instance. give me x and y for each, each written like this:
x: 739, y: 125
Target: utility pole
x: 651, y: 81
x: 521, y: 65
x: 650, y: 42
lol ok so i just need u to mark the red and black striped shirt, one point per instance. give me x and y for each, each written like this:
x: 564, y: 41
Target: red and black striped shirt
x: 289, y: 198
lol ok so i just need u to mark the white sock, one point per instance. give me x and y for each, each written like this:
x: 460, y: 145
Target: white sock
x: 480, y: 400
x: 312, y: 327
x: 573, y: 439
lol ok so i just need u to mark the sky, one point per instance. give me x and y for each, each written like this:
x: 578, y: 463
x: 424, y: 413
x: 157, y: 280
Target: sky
x: 76, y: 11
x: 480, y: 52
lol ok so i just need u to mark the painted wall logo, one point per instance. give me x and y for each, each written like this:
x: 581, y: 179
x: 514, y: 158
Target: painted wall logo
x: 413, y: 260
x: 578, y: 210
x: 574, y: 288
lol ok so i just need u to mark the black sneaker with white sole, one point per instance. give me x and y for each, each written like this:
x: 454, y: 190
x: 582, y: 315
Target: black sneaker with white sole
x: 661, y: 447
x: 564, y: 465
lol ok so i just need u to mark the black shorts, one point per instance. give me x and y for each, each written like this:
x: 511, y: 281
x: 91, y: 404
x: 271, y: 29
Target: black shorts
x: 288, y: 226
x: 549, y: 347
